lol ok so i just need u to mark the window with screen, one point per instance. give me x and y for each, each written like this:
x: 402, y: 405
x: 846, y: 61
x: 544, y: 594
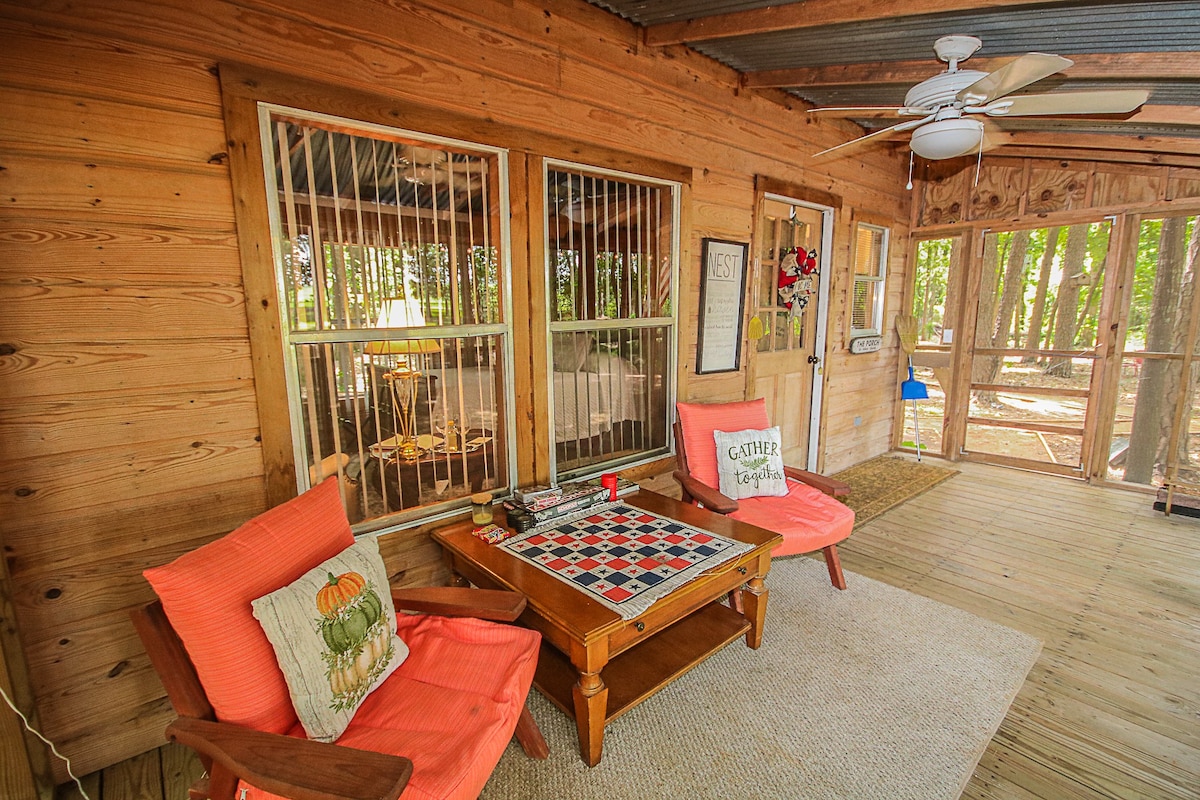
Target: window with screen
x: 870, y: 269
x: 610, y: 261
x: 390, y: 260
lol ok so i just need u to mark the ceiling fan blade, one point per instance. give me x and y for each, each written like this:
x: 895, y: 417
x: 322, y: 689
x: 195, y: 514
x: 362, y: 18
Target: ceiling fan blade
x: 859, y: 111
x: 854, y: 144
x: 1113, y: 101
x: 1012, y: 76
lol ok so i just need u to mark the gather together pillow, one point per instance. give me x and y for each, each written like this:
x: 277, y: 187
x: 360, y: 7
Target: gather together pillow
x: 334, y: 635
x: 750, y: 463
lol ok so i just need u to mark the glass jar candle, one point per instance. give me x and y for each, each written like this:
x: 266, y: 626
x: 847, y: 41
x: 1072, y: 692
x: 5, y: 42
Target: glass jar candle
x: 481, y: 508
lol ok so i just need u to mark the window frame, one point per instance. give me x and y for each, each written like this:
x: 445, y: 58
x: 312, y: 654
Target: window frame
x: 879, y: 296
x: 670, y: 375
x: 289, y: 340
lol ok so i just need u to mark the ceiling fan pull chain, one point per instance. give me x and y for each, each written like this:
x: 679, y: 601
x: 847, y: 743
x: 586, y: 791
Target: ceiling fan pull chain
x: 978, y: 161
x: 910, y: 167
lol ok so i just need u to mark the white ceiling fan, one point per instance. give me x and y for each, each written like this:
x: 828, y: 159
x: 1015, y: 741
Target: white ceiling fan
x: 949, y: 108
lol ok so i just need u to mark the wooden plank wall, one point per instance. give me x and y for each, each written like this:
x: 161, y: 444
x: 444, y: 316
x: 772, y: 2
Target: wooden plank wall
x: 129, y: 428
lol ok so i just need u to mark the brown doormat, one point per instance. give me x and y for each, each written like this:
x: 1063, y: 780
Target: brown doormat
x: 885, y: 482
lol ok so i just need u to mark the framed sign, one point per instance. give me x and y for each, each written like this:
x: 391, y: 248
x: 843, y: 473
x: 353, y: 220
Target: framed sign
x: 722, y: 299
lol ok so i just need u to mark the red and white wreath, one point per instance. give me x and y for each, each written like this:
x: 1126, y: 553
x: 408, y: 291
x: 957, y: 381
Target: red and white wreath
x: 798, y: 275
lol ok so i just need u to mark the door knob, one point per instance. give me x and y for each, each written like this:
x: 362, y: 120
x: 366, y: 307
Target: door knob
x: 814, y: 360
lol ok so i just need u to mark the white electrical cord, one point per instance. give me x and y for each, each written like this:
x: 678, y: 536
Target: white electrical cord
x: 53, y: 749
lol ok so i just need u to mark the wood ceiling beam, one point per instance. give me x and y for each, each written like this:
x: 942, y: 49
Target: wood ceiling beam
x: 1159, y: 146
x: 1088, y: 66
x: 809, y: 14
x: 1083, y: 154
x: 1164, y: 115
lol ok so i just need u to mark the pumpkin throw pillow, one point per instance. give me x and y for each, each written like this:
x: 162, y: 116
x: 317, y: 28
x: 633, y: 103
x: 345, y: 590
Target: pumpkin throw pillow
x: 334, y: 634
x: 750, y: 463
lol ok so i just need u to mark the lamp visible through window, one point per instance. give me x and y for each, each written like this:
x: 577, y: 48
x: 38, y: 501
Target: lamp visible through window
x: 403, y: 379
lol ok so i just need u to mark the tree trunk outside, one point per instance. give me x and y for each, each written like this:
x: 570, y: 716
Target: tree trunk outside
x: 985, y: 322
x: 1010, y: 291
x: 1014, y: 287
x: 1073, y: 276
x: 1033, y: 339
x: 1093, y: 291
x: 1152, y: 409
x: 1180, y: 343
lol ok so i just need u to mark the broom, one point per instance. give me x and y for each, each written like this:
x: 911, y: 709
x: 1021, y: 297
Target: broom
x: 911, y: 389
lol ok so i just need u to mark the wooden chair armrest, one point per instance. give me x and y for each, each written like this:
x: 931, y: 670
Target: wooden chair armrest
x: 830, y: 486
x: 297, y: 768
x: 710, y: 497
x: 453, y: 601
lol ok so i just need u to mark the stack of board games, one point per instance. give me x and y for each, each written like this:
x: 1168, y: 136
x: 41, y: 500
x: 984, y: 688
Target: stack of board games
x: 530, y: 509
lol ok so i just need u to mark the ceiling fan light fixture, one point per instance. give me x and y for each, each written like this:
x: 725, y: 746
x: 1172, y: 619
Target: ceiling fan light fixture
x: 947, y: 138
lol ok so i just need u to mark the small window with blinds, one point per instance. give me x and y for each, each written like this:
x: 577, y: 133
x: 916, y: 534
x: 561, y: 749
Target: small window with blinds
x: 870, y: 269
x: 611, y: 253
x: 390, y: 260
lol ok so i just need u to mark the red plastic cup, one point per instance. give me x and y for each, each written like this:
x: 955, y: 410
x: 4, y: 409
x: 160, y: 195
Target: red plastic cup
x: 609, y: 481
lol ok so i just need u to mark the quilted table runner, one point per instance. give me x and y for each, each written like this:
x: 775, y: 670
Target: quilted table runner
x: 624, y: 557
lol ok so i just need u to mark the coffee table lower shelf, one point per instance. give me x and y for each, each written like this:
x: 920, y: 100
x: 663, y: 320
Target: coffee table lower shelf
x: 648, y: 666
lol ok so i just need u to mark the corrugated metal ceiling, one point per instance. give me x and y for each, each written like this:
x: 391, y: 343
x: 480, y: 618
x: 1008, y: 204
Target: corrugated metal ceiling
x: 1083, y: 27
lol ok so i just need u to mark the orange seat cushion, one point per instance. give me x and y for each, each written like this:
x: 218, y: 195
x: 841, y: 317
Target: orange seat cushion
x: 451, y: 707
x: 807, y: 518
x: 206, y: 595
x: 699, y: 420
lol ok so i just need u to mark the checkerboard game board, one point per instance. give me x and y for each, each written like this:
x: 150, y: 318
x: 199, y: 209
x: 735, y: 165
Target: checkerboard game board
x: 624, y: 557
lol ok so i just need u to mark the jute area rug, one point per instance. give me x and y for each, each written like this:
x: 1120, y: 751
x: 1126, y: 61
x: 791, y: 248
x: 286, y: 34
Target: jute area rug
x: 869, y: 693
x: 885, y: 482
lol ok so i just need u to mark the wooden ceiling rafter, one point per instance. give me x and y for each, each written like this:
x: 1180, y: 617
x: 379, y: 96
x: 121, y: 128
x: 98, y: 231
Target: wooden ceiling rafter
x: 809, y: 14
x: 1089, y: 66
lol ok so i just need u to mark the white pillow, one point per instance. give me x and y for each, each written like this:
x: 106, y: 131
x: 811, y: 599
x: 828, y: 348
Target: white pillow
x: 333, y: 631
x: 571, y: 351
x: 750, y: 463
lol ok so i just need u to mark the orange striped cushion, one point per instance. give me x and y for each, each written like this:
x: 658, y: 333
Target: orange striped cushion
x: 207, y: 593
x: 699, y: 420
x: 451, y: 707
x: 807, y: 518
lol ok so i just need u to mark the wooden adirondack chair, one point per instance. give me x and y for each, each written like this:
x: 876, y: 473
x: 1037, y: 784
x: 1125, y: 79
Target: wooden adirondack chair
x: 435, y: 727
x: 809, y: 517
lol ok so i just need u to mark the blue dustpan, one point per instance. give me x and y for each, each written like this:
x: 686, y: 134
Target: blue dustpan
x: 913, y: 389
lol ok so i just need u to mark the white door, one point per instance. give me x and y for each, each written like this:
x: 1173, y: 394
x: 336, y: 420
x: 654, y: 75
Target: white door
x: 789, y: 344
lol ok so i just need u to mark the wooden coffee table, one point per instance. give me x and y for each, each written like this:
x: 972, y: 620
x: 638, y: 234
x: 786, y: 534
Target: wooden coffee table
x: 594, y: 665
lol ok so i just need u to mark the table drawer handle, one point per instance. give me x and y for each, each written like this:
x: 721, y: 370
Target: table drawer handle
x: 742, y: 570
x: 641, y: 626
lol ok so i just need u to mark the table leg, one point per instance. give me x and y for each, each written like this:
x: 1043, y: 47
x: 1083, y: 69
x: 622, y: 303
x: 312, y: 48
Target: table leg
x: 591, y: 707
x: 754, y: 600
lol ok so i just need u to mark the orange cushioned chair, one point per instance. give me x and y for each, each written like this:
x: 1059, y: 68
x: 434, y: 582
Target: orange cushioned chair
x: 435, y: 727
x: 809, y: 517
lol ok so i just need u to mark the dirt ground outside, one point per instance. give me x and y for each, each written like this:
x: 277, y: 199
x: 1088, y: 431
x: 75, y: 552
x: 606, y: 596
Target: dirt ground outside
x: 1016, y: 407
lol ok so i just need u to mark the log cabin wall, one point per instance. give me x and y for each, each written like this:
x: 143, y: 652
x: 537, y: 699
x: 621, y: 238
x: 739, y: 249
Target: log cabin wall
x: 129, y: 419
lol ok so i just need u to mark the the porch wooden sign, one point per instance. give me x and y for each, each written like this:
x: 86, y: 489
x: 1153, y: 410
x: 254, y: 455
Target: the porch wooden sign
x: 722, y: 299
